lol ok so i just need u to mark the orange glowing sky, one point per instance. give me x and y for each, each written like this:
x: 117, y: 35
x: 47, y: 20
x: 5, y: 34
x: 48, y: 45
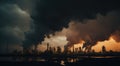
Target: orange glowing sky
x: 110, y: 44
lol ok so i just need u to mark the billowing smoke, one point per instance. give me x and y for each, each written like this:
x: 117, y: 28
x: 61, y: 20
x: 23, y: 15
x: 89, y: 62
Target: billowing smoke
x: 28, y: 21
x: 14, y: 23
x: 51, y: 16
x: 90, y: 30
x: 116, y: 36
x: 93, y: 30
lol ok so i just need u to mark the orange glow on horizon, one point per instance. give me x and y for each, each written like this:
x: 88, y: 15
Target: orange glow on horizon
x: 110, y: 44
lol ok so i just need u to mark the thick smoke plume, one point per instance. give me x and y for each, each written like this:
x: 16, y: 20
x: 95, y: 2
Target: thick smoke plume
x: 93, y: 30
x: 15, y: 21
x: 26, y: 22
x: 90, y: 31
x: 53, y: 15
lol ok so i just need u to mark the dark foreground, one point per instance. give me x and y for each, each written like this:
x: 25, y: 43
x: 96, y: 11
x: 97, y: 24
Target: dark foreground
x: 83, y: 62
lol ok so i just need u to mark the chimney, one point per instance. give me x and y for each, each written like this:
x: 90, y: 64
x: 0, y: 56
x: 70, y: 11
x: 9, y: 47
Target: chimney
x: 73, y: 49
x: 47, y: 46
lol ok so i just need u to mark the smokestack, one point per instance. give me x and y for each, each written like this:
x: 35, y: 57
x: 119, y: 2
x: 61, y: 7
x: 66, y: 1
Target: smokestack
x: 80, y: 49
x: 73, y: 49
x: 47, y: 46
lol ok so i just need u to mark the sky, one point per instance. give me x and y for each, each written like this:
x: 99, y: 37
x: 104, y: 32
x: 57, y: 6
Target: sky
x: 24, y: 23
